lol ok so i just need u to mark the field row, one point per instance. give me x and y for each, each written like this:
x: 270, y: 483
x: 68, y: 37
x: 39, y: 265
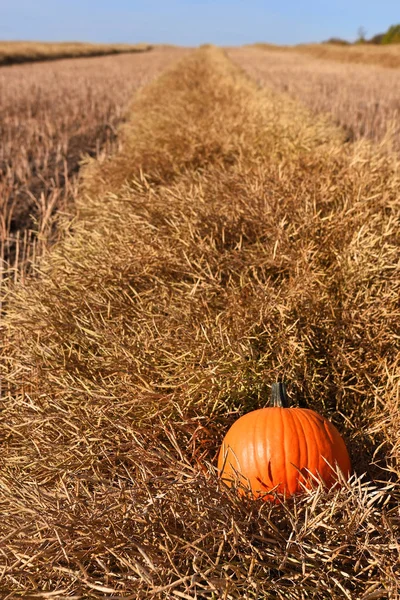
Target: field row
x: 19, y: 52
x: 233, y: 241
x: 362, y: 99
x: 52, y: 116
x: 364, y: 54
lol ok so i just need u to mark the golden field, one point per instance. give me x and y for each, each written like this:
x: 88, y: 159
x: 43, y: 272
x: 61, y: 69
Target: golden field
x: 384, y: 56
x: 369, y: 54
x: 362, y: 99
x: 232, y: 237
x: 20, y: 52
x: 53, y: 116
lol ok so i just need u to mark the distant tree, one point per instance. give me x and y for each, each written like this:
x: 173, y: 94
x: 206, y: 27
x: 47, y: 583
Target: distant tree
x: 377, y: 39
x: 392, y: 36
x: 361, y: 35
x: 338, y: 41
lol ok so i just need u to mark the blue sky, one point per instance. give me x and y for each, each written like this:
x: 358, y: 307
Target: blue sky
x: 192, y: 22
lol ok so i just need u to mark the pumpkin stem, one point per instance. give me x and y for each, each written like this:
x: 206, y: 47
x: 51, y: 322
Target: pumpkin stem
x: 279, y: 396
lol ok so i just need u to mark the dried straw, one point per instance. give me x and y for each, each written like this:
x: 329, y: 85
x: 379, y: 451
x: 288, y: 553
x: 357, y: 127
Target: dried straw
x: 233, y: 240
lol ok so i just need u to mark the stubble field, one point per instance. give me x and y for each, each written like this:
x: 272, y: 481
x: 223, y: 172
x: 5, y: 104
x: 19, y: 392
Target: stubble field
x: 233, y: 238
x: 12, y: 53
x: 385, y: 55
x: 52, y: 116
x: 362, y: 99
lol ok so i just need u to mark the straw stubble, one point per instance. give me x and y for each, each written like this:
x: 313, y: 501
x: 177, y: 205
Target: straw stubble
x: 234, y: 239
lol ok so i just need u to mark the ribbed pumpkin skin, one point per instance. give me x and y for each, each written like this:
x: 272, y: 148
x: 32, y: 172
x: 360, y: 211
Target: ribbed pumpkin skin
x: 275, y: 446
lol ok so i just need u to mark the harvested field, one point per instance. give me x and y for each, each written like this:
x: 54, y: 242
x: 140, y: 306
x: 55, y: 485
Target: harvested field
x: 365, y: 54
x: 364, y: 100
x: 233, y: 240
x: 19, y: 52
x: 51, y: 116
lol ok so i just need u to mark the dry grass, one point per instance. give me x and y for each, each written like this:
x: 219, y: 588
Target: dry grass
x: 364, y: 100
x: 246, y: 242
x: 367, y: 54
x: 51, y: 117
x: 20, y: 52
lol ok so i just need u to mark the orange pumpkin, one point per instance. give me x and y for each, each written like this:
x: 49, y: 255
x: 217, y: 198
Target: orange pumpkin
x: 282, y: 448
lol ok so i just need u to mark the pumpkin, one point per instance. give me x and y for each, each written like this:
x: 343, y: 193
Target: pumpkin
x: 281, y: 449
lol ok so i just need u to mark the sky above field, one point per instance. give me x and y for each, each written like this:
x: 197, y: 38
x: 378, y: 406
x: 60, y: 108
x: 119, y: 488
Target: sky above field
x: 192, y: 22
